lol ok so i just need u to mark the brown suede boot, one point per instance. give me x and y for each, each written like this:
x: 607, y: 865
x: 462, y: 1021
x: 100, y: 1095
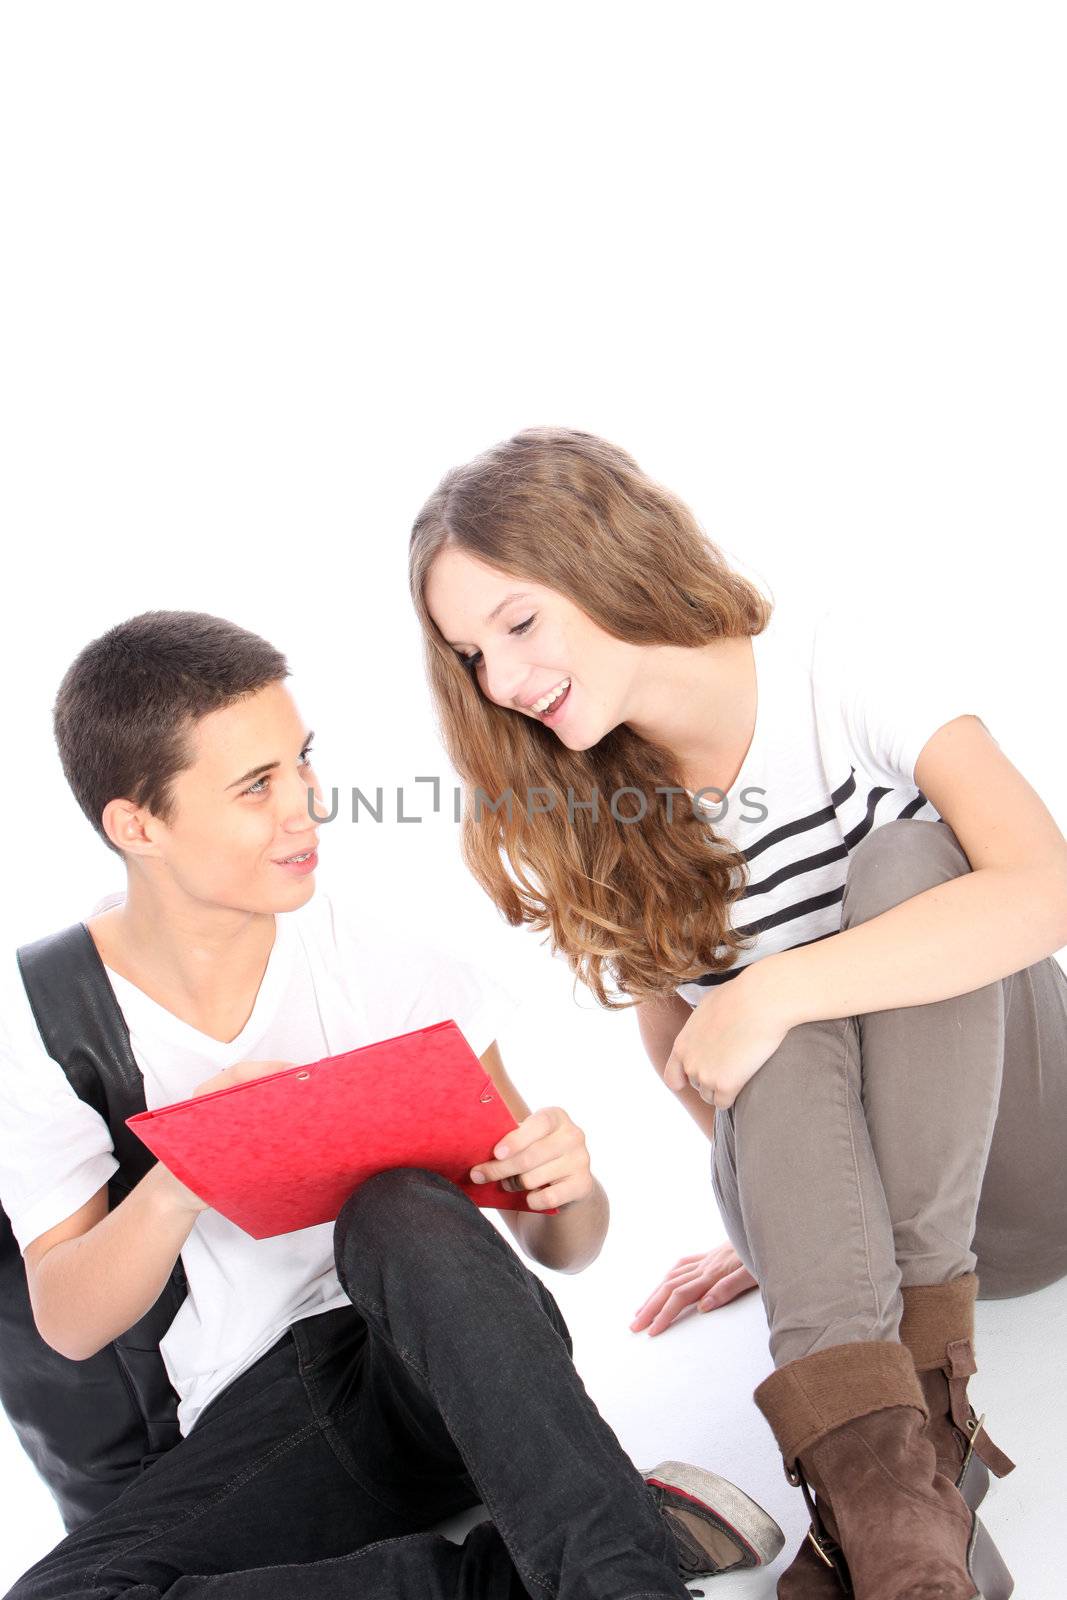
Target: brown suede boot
x: 938, y: 1329
x: 812, y: 1575
x: 849, y: 1422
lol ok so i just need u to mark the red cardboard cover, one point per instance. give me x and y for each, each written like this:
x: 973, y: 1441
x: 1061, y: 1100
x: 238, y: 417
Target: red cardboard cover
x: 285, y: 1151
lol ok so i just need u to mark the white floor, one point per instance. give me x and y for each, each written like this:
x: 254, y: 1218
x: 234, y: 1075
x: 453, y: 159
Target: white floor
x: 687, y: 1393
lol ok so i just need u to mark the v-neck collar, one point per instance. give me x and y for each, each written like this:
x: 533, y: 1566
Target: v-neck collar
x: 145, y: 1015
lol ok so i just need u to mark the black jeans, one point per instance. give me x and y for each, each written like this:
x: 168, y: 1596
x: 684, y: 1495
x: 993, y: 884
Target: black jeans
x: 315, y: 1473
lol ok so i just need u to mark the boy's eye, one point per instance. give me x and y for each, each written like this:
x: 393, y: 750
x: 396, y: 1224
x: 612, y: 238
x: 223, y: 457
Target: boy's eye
x: 261, y: 785
x: 472, y: 660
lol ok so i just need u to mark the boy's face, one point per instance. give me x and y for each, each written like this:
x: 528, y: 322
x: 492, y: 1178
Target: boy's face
x: 240, y: 809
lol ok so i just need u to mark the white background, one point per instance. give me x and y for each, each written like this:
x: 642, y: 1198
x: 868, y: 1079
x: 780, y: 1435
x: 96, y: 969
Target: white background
x: 269, y: 270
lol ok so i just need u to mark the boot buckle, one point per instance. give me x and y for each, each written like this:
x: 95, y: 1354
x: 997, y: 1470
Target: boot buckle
x: 820, y: 1550
x: 974, y: 1428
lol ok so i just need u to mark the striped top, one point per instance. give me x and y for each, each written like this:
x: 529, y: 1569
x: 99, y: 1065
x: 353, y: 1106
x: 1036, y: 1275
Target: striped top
x: 842, y: 715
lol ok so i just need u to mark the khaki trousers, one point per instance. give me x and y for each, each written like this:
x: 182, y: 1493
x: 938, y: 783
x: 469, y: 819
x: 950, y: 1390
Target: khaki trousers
x: 901, y: 1147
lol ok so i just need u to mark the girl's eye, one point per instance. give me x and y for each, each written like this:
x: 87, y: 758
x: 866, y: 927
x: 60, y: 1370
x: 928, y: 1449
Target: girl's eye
x: 261, y: 785
x: 472, y: 660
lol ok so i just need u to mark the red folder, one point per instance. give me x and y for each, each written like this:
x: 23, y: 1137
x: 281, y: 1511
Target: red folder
x: 285, y: 1151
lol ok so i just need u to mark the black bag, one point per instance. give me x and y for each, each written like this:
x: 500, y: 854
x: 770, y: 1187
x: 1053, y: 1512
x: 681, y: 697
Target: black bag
x: 89, y: 1427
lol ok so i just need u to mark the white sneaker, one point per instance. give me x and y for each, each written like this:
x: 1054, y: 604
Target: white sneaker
x: 716, y: 1527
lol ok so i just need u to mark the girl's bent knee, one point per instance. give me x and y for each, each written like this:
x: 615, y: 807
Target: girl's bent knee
x: 896, y: 862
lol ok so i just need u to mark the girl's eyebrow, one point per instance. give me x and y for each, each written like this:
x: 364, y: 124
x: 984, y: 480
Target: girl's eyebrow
x: 268, y: 766
x: 519, y: 594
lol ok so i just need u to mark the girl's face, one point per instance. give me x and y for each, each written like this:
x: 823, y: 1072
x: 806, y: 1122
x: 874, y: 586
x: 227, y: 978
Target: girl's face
x: 526, y: 645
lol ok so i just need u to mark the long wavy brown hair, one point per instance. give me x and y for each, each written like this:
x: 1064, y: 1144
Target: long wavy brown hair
x: 643, y: 903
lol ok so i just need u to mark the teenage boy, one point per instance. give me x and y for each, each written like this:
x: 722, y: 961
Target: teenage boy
x: 342, y: 1388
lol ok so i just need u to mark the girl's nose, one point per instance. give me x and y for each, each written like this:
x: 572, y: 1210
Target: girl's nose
x: 502, y: 679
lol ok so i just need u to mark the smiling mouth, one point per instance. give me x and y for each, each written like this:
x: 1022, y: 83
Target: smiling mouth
x: 548, y: 702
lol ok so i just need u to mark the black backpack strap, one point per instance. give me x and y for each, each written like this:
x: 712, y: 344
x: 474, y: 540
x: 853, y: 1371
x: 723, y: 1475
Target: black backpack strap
x: 83, y: 1029
x: 90, y: 1426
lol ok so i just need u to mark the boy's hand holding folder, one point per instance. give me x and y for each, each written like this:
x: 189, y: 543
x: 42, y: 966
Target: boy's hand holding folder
x: 276, y: 1147
x: 547, y: 1152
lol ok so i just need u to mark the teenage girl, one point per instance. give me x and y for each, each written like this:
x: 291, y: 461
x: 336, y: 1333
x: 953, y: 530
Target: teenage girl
x: 834, y: 902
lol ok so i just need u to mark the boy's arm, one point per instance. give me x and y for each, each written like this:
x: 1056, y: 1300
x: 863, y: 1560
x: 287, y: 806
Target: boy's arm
x: 98, y: 1272
x: 572, y: 1238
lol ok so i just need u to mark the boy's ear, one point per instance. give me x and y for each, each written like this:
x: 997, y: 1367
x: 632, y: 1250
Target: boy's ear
x: 125, y: 825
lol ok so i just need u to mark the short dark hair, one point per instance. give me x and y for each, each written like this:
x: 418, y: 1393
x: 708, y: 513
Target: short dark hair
x: 128, y: 702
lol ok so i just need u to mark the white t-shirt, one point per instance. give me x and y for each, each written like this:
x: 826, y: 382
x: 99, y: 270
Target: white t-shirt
x: 327, y: 988
x: 844, y: 709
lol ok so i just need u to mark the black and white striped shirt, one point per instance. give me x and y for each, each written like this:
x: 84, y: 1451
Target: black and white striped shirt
x: 842, y: 715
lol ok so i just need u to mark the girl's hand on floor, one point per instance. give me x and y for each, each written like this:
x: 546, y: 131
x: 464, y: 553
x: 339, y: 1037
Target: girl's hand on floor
x: 731, y: 1033
x: 708, y: 1281
x: 546, y: 1153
